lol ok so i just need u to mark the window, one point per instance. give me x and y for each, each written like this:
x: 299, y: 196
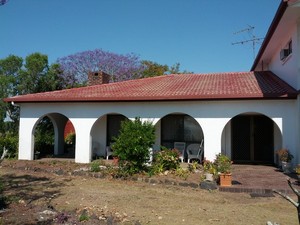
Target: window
x: 180, y: 128
x: 113, y: 126
x: 286, y: 51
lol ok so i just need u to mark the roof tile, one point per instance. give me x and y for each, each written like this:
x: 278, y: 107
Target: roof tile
x: 218, y: 86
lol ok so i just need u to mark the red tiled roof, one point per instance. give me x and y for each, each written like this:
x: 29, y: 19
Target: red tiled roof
x: 242, y: 85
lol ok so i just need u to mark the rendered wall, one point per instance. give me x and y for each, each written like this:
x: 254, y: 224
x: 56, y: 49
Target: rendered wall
x: 212, y: 116
x: 288, y: 69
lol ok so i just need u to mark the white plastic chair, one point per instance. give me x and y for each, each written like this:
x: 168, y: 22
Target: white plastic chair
x: 109, y: 152
x: 195, y: 151
x: 180, y: 146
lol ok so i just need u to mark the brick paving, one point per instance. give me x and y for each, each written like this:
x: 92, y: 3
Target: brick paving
x: 260, y: 179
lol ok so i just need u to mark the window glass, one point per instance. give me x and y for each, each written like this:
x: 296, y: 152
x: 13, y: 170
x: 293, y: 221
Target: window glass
x: 113, y: 126
x: 180, y: 128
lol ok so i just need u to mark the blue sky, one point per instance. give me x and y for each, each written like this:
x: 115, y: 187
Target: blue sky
x: 196, y: 33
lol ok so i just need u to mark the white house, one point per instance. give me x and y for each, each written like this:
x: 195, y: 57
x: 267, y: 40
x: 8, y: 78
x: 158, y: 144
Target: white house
x: 246, y: 115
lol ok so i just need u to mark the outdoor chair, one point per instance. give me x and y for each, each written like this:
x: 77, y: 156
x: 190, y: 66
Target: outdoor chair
x: 180, y: 146
x: 109, y: 152
x: 195, y: 151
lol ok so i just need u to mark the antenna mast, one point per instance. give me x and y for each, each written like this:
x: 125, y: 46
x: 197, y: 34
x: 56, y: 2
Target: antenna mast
x: 255, y: 40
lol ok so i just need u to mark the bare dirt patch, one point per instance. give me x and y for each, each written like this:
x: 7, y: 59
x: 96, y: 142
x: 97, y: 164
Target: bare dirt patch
x: 50, y: 193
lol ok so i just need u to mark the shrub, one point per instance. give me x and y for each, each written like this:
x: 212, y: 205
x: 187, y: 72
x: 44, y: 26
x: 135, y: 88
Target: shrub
x: 209, y: 167
x: 70, y: 139
x: 84, y: 217
x: 95, y: 166
x: 44, y: 137
x: 167, y: 159
x: 133, y: 144
x: 192, y: 167
x: 223, y: 164
x: 183, y: 173
x: 10, y: 142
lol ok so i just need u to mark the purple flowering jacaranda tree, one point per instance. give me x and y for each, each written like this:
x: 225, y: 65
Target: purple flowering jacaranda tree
x: 2, y: 2
x: 121, y: 67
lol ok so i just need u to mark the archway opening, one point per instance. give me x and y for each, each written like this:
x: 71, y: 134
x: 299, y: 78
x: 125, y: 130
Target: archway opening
x: 70, y: 140
x: 50, y: 139
x: 251, y: 138
x: 103, y: 132
x: 44, y: 139
x: 181, y: 128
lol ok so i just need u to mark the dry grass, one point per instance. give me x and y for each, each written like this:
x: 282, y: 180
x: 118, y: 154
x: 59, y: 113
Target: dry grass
x: 147, y: 203
x: 158, y: 204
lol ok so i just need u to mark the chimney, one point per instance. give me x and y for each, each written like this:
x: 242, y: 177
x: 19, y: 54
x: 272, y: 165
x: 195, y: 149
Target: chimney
x: 95, y: 78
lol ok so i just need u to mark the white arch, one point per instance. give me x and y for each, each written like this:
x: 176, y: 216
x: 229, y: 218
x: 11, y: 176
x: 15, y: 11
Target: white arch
x: 226, y: 132
x: 27, y: 130
x: 98, y: 134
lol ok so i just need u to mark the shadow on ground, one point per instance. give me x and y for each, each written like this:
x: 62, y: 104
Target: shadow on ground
x: 29, y: 188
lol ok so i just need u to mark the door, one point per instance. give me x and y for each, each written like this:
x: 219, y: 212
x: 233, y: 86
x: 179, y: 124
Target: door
x: 252, y: 139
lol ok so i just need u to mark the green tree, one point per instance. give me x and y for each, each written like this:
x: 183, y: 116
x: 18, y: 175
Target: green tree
x: 32, y: 76
x: 10, y: 67
x: 133, y: 144
x: 175, y: 69
x: 154, y: 69
x: 23, y: 77
x: 35, y: 68
x: 44, y: 137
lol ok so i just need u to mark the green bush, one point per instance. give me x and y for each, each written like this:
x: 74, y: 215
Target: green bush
x: 166, y: 160
x: 223, y: 164
x: 84, y: 216
x: 44, y: 137
x: 10, y: 142
x: 70, y: 138
x: 95, y: 166
x: 133, y: 144
x: 183, y: 173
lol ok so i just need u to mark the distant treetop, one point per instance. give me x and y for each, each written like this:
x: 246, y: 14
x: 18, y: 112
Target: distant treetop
x: 120, y: 67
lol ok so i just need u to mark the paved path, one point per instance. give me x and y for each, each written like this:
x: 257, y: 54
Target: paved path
x: 260, y: 179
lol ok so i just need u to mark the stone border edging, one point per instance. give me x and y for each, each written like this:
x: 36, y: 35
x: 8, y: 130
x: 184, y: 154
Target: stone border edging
x: 149, y: 180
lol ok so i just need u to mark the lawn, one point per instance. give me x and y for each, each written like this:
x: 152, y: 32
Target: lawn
x: 33, y: 193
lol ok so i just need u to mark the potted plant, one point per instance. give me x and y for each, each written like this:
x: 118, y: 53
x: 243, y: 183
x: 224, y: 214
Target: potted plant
x: 285, y: 158
x: 209, y: 170
x: 223, y: 166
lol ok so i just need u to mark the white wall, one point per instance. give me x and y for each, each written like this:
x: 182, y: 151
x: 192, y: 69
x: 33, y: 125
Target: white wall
x: 98, y: 135
x: 288, y: 69
x: 211, y: 115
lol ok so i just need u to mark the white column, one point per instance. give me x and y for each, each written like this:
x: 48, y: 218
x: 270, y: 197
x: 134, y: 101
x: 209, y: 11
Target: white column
x: 212, y: 131
x: 26, y: 138
x: 83, y: 146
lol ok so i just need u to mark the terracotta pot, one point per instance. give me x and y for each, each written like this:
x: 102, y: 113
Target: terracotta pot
x: 225, y: 179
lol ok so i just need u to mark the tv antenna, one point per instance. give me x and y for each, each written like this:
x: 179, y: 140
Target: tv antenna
x: 255, y: 40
